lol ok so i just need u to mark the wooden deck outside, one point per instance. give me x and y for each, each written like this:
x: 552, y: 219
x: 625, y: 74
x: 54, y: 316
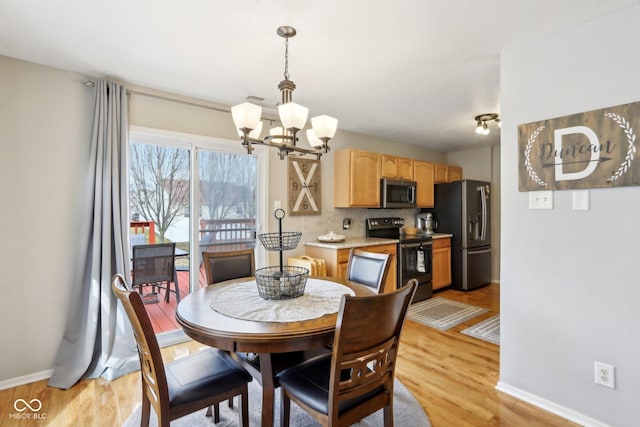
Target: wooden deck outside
x: 163, y: 314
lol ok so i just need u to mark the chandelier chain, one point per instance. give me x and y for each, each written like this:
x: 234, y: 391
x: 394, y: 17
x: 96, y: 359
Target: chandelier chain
x: 286, y: 58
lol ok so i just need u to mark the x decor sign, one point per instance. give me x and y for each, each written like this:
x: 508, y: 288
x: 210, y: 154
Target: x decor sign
x: 304, y: 187
x: 587, y: 150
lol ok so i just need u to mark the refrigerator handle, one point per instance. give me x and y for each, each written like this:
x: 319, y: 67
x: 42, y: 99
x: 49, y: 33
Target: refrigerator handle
x: 483, y: 201
x: 482, y: 251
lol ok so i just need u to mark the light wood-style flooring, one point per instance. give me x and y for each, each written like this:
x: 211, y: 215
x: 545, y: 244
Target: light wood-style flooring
x: 452, y: 375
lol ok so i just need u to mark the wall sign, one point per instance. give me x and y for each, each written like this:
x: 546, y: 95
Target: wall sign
x: 304, y: 187
x: 587, y: 150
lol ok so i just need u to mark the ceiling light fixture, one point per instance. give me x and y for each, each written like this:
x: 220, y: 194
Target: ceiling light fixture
x: 293, y: 117
x: 481, y: 122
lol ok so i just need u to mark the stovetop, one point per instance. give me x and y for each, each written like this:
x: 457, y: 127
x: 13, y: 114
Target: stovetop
x: 389, y: 227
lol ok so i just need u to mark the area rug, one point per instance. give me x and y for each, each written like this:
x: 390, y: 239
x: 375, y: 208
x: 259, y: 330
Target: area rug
x: 406, y: 412
x: 441, y: 313
x: 487, y: 330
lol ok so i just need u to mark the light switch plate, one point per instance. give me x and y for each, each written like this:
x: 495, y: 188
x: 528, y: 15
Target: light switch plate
x: 541, y: 200
x: 581, y: 200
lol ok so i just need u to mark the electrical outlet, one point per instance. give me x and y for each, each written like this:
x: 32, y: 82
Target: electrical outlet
x: 346, y: 223
x: 605, y: 374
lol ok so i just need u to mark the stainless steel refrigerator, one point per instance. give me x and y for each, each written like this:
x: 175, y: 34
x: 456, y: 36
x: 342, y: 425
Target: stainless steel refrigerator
x: 463, y: 209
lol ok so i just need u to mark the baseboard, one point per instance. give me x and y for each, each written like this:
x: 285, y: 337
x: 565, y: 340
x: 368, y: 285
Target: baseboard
x: 552, y: 407
x: 497, y: 282
x: 26, y: 379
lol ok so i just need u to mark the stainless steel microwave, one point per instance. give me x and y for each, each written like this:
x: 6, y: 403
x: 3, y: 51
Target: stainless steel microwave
x: 397, y: 194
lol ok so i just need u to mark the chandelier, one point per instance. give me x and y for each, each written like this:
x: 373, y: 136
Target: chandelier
x: 293, y: 117
x: 481, y: 123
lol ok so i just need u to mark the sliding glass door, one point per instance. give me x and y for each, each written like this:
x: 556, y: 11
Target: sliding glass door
x: 198, y: 193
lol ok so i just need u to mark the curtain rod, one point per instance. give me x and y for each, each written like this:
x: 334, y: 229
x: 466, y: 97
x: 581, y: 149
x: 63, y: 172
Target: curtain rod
x: 168, y: 97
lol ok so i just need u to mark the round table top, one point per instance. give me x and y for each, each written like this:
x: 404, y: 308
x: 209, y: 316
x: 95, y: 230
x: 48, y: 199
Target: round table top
x: 212, y: 328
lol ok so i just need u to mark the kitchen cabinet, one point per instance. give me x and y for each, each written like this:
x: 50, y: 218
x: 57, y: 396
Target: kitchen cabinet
x: 441, y: 263
x: 455, y: 173
x: 337, y: 259
x: 447, y: 173
x: 441, y: 173
x: 396, y: 167
x: 423, y: 175
x: 356, y: 179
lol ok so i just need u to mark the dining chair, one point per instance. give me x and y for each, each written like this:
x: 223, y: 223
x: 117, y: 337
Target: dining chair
x: 368, y: 268
x: 357, y: 378
x: 201, y: 380
x: 154, y: 265
x: 221, y: 266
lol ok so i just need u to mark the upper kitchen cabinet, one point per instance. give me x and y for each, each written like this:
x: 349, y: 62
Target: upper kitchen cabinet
x: 356, y: 179
x: 446, y: 173
x: 455, y: 173
x: 396, y: 167
x: 423, y: 173
x: 441, y: 173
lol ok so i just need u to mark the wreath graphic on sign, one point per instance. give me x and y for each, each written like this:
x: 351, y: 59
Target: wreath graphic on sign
x: 527, y: 158
x: 631, y: 139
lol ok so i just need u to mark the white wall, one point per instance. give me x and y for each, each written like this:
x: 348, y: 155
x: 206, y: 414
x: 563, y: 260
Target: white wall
x: 45, y: 129
x: 569, y: 286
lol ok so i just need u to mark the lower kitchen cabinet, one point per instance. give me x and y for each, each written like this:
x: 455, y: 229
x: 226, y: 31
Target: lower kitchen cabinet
x: 441, y: 264
x: 337, y: 260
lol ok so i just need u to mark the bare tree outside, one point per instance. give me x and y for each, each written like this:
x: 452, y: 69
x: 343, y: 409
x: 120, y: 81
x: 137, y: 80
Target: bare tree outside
x: 159, y: 184
x: 159, y: 191
x: 228, y: 185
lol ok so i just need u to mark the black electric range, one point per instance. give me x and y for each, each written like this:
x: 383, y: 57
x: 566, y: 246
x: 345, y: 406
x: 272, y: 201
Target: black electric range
x: 414, y: 253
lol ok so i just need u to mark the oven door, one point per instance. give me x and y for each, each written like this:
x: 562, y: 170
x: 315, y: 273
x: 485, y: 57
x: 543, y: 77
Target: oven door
x: 414, y: 262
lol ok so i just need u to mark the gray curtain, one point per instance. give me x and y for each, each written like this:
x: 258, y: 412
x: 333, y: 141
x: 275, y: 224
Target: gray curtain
x: 98, y: 340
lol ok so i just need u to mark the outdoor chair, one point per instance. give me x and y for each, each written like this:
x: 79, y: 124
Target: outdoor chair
x: 201, y: 380
x: 357, y: 378
x: 154, y: 265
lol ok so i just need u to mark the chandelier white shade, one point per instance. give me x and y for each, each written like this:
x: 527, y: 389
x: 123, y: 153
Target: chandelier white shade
x: 314, y: 141
x: 324, y: 126
x: 246, y: 117
x: 293, y: 116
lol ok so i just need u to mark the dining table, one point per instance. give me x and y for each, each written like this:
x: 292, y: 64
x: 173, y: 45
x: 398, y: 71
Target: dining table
x: 265, y: 335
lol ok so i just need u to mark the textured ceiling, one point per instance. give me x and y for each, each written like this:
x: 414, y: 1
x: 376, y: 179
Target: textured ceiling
x: 414, y: 71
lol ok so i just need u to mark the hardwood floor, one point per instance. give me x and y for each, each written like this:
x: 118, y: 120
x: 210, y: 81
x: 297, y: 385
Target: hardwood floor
x: 452, y: 375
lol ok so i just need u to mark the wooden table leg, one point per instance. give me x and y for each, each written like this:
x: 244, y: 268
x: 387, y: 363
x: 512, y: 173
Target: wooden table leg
x: 268, y: 389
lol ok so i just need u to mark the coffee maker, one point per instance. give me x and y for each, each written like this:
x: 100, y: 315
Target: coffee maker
x: 425, y: 223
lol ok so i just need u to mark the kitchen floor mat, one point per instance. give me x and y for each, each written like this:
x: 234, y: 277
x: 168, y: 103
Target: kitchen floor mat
x: 441, y: 313
x: 487, y: 330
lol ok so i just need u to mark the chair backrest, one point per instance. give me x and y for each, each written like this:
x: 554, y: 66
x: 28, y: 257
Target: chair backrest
x: 153, y: 263
x: 154, y: 380
x: 368, y: 268
x: 365, y: 348
x: 221, y: 266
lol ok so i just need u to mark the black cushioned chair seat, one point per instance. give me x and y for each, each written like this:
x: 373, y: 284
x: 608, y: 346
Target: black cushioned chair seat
x: 202, y: 375
x: 310, y: 382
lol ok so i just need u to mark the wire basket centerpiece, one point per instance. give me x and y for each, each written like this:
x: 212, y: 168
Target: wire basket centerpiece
x: 283, y: 281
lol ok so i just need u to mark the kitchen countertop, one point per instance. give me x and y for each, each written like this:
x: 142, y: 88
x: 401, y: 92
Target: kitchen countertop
x: 358, y: 242
x: 440, y: 235
x: 353, y: 242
